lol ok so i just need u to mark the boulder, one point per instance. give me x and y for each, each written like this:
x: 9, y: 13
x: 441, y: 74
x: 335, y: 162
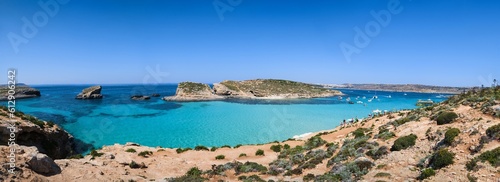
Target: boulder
x: 43, y: 164
x: 93, y: 92
x: 140, y: 97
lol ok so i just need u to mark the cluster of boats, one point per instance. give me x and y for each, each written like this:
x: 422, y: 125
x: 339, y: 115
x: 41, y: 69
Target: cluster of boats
x: 348, y: 99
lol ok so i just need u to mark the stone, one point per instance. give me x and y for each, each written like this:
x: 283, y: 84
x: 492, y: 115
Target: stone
x: 93, y: 92
x: 43, y: 164
x: 140, y: 97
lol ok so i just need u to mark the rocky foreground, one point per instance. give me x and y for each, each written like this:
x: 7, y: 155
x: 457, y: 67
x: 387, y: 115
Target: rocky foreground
x: 249, y: 89
x: 458, y: 140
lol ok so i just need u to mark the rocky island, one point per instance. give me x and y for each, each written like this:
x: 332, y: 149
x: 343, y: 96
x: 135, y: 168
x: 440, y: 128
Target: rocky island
x: 249, y: 89
x: 93, y: 92
x: 22, y: 91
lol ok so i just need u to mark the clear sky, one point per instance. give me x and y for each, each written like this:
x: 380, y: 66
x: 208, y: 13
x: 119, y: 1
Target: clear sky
x: 447, y: 42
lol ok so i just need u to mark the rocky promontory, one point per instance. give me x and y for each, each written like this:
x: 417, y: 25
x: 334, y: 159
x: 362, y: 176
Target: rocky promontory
x: 47, y: 137
x: 249, y: 89
x: 21, y: 92
x: 93, y: 92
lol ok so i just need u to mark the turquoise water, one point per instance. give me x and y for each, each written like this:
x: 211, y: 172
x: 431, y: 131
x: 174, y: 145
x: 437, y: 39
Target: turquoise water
x: 118, y: 119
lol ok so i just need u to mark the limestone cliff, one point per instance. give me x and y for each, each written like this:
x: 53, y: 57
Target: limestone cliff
x: 47, y: 137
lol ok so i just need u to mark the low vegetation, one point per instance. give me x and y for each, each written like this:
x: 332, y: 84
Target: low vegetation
x: 446, y: 118
x: 404, y: 142
x: 426, y: 173
x: 441, y: 158
x: 220, y: 157
x: 145, y: 153
x: 181, y: 150
x: 449, y: 136
x: 131, y: 150
x: 259, y: 152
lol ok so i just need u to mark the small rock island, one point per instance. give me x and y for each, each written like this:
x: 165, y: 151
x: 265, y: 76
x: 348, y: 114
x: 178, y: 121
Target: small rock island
x: 249, y: 89
x: 93, y: 92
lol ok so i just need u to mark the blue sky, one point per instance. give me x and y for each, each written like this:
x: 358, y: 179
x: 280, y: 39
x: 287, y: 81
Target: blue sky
x: 448, y: 42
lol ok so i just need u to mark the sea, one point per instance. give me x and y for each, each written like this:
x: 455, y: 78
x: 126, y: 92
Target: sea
x: 117, y: 119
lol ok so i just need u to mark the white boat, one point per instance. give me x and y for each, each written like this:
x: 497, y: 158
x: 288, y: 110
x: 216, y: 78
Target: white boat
x: 377, y: 111
x: 340, y: 97
x: 389, y: 96
x: 370, y: 100
x: 359, y: 102
x: 364, y: 97
x: 348, y: 99
x: 405, y: 94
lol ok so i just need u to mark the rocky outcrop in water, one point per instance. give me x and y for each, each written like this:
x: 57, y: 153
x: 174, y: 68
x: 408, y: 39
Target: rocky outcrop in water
x: 140, y: 97
x: 21, y: 92
x: 93, y: 92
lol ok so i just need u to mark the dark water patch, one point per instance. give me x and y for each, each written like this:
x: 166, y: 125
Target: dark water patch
x: 81, y: 147
x: 163, y: 106
x: 56, y: 118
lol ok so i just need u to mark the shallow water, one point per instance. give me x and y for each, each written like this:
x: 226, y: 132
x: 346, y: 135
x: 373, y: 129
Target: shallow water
x: 118, y: 119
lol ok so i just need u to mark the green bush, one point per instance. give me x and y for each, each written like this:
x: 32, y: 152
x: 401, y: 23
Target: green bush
x: 201, y: 147
x: 250, y: 167
x: 308, y: 177
x: 276, y: 148
x: 220, y: 157
x: 259, y: 152
x: 404, y: 142
x: 131, y: 150
x: 446, y: 117
x: 441, y: 158
x: 286, y: 146
x: 145, y: 153
x: 77, y: 156
x: 360, y: 132
x: 314, y: 142
x: 426, y: 173
x: 238, y: 146
x: 386, y: 135
x: 493, y: 131
x: 382, y: 175
x: 181, y: 150
x: 492, y: 156
x: 242, y: 155
x: 94, y: 153
x: 193, y: 175
x: 225, y: 146
x: 213, y: 149
x: 450, y: 135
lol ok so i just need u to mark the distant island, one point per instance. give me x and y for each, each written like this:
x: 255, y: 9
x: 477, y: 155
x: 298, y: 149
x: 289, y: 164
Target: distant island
x: 400, y: 88
x: 249, y: 89
x: 22, y: 91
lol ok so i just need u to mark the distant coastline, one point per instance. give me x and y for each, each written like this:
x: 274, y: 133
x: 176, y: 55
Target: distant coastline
x: 416, y: 88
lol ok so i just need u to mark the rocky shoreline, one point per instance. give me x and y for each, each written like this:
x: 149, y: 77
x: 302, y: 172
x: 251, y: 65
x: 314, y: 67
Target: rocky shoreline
x: 249, y: 89
x: 21, y: 92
